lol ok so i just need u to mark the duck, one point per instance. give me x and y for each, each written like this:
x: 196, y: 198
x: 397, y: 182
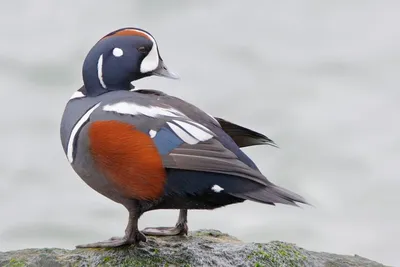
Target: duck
x: 148, y: 150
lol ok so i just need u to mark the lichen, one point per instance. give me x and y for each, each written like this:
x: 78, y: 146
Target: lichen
x: 15, y: 263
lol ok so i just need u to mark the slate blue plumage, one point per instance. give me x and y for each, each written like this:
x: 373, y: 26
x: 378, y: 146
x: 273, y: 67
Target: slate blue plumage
x: 166, y: 141
x: 148, y: 150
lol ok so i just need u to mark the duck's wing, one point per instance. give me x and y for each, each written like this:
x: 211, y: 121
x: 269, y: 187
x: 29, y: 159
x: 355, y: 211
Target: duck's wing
x: 185, y: 144
x: 242, y: 136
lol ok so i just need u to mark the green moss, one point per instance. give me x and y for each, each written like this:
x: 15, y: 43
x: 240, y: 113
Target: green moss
x: 150, y: 262
x: 277, y: 254
x: 106, y: 259
x: 15, y: 263
x: 139, y: 261
x: 212, y: 233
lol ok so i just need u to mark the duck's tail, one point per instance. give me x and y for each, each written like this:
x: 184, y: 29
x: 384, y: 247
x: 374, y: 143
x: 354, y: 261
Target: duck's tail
x: 272, y: 194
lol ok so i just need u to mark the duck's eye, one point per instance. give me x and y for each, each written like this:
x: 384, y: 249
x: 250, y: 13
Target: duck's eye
x: 143, y: 50
x: 118, y: 52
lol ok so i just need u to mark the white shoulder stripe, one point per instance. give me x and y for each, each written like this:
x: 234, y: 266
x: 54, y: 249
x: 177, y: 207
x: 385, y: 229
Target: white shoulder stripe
x: 197, y: 132
x: 78, y: 125
x: 135, y: 109
x: 189, y: 131
x: 187, y: 138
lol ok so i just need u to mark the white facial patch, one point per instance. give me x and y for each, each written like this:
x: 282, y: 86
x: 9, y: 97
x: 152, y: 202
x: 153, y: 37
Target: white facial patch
x: 100, y: 71
x: 151, y: 61
x: 216, y: 188
x: 118, y: 52
x: 75, y: 130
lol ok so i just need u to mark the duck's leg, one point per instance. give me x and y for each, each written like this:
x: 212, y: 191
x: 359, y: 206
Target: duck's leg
x: 180, y: 228
x: 132, y: 235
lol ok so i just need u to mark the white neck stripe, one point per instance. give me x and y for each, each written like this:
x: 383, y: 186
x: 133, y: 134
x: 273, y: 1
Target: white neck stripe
x: 100, y: 71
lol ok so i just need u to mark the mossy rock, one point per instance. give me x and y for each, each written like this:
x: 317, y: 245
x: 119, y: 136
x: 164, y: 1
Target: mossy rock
x: 200, y: 248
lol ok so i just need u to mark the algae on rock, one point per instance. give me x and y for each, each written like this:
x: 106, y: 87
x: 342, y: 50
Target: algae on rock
x: 200, y: 248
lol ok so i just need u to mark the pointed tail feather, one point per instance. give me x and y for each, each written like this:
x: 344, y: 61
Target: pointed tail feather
x: 271, y: 195
x: 242, y: 136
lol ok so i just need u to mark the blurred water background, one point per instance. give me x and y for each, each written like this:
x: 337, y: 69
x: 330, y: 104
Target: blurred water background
x: 321, y: 78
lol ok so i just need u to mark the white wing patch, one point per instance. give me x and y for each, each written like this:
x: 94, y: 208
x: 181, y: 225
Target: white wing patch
x: 182, y: 134
x: 189, y: 131
x: 135, y: 109
x: 197, y: 132
x: 75, y: 130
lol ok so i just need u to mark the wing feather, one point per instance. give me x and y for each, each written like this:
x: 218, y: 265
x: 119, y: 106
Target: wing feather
x: 190, y: 144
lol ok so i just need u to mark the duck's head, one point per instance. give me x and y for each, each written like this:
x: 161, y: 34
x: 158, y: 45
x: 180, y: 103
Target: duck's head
x: 121, y: 57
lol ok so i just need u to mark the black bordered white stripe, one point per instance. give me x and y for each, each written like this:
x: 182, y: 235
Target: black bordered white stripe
x: 189, y: 131
x: 197, y: 130
x: 75, y: 131
x: 150, y: 111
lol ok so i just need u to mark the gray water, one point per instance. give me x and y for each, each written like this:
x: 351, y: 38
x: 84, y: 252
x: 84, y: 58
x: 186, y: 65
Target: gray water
x: 321, y: 78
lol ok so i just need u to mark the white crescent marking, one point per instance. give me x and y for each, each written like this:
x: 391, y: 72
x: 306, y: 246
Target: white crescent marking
x: 151, y: 61
x: 78, y: 125
x: 100, y: 71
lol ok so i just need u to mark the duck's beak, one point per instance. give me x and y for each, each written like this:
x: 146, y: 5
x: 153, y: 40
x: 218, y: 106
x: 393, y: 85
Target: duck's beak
x: 163, y: 71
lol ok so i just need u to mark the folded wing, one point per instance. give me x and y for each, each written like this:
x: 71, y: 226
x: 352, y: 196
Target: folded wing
x: 188, y: 145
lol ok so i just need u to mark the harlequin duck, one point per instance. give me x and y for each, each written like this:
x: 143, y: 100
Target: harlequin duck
x: 148, y: 150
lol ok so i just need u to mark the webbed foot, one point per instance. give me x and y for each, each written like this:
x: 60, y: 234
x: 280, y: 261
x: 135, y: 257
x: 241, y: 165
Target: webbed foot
x: 115, y: 242
x: 166, y: 231
x: 180, y: 228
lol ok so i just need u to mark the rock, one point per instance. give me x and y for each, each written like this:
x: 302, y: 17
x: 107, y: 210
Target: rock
x: 200, y: 248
